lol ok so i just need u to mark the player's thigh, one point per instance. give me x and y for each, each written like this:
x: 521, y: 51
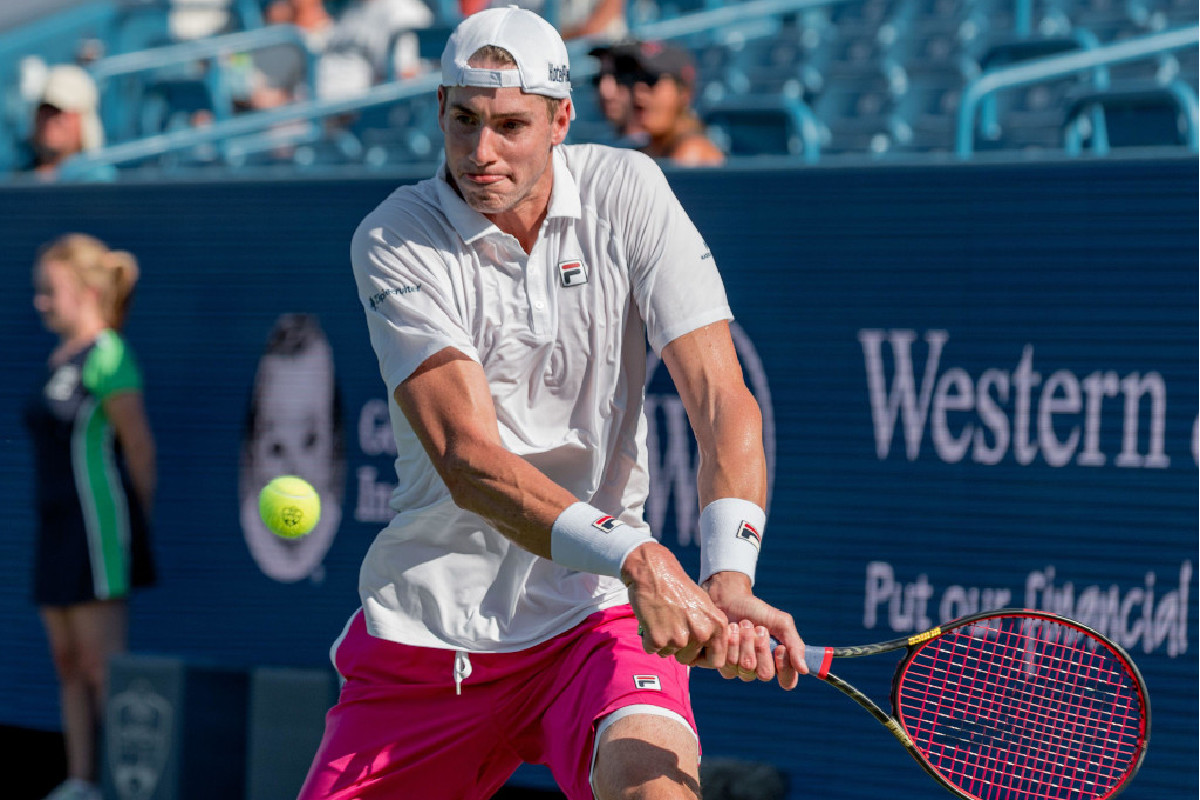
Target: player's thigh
x: 647, y: 756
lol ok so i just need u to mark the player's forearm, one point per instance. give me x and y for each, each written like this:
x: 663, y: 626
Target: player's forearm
x: 732, y: 461
x: 509, y: 492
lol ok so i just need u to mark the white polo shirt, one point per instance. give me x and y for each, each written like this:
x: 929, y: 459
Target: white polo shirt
x: 561, y: 335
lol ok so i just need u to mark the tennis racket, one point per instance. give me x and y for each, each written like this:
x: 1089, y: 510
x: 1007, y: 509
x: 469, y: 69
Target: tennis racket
x: 1011, y: 704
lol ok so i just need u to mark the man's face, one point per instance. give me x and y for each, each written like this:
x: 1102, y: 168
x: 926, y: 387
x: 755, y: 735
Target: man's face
x: 498, y: 145
x: 57, y: 132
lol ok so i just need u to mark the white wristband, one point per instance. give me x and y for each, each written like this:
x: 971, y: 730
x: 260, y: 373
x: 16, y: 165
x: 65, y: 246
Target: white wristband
x: 587, y: 539
x: 730, y: 536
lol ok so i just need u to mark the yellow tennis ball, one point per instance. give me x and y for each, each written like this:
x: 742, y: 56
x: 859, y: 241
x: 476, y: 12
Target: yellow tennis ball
x: 289, y: 506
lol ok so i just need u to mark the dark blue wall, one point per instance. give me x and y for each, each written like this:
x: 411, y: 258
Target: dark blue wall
x: 1042, y: 453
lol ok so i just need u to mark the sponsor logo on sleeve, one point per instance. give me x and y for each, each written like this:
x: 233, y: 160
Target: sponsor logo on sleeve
x: 572, y: 273
x: 647, y: 683
x: 750, y: 534
x: 377, y: 298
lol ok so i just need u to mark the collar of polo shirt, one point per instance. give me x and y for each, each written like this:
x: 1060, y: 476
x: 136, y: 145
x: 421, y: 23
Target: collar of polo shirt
x: 471, y: 225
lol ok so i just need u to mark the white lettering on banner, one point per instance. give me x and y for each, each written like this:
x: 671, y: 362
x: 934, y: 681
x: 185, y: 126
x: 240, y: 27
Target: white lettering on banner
x: 375, y: 429
x: 672, y: 447
x: 1001, y: 410
x: 373, y: 495
x: 1131, y: 617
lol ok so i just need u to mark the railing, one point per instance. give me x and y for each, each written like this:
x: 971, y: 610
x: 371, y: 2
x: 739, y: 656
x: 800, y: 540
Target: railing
x: 211, y: 49
x: 1056, y: 66
x: 245, y: 125
x: 712, y: 19
x: 260, y: 122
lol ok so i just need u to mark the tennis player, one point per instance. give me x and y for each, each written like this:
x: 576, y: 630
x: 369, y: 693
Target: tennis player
x: 509, y: 300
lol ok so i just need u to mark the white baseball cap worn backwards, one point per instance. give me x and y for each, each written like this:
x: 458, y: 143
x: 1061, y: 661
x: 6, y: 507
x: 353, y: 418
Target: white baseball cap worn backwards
x: 542, y: 64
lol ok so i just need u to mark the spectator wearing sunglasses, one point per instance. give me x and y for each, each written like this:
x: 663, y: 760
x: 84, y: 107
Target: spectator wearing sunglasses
x: 661, y: 78
x: 615, y: 98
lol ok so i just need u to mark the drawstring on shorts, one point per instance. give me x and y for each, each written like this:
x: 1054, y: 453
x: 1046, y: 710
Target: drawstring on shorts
x: 462, y: 669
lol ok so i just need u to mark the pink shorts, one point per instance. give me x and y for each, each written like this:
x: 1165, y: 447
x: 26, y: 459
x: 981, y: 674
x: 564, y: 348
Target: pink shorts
x: 401, y: 729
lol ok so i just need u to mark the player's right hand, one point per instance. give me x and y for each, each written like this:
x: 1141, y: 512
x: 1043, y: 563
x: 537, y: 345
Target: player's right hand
x: 676, y: 616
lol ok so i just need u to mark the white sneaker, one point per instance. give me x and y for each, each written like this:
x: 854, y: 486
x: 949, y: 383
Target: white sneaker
x: 75, y: 789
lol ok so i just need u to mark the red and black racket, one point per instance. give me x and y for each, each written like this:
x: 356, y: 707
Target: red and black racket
x: 1012, y: 705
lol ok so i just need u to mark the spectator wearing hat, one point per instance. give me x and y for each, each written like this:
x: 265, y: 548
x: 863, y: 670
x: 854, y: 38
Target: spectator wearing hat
x: 615, y: 98
x: 661, y: 77
x: 66, y: 121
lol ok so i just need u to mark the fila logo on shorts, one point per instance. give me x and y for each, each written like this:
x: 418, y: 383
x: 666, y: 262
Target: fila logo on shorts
x: 647, y: 682
x: 572, y: 273
x: 606, y: 524
x: 750, y: 534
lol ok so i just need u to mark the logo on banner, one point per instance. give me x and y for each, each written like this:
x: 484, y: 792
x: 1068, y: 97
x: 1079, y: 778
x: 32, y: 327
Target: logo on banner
x: 572, y: 273
x: 137, y: 734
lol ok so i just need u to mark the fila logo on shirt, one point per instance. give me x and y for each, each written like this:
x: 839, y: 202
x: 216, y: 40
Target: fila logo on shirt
x: 606, y: 524
x: 572, y: 273
x: 750, y: 534
x: 647, y: 682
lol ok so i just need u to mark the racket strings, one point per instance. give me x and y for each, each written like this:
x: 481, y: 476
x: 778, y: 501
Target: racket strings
x: 1019, y: 709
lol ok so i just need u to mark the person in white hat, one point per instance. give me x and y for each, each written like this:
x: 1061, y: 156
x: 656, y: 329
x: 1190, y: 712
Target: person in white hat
x: 518, y: 608
x: 66, y: 121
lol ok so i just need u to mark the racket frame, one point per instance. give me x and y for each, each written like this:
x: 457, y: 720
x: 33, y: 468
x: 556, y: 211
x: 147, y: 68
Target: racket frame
x: 819, y: 659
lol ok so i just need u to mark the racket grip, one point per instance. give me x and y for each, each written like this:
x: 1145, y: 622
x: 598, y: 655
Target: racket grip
x: 817, y: 659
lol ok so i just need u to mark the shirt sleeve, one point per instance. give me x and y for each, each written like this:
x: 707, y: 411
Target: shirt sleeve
x: 675, y: 280
x: 408, y: 297
x: 111, y: 368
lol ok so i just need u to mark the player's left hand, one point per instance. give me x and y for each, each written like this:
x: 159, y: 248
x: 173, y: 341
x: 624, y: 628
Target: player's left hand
x: 752, y: 623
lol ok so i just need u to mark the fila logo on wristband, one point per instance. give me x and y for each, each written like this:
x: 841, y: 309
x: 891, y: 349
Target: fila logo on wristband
x: 750, y: 534
x: 647, y: 682
x: 606, y: 524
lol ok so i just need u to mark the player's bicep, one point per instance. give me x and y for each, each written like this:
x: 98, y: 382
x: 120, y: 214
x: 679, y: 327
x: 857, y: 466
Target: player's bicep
x: 448, y: 404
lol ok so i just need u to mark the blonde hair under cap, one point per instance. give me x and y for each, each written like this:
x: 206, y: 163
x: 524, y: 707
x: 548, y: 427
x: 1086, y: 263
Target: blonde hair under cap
x: 70, y: 88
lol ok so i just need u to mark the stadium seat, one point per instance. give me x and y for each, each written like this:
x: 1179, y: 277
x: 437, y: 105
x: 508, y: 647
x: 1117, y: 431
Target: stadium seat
x: 1131, y: 115
x: 856, y: 111
x: 763, y: 125
x: 926, y: 112
x: 169, y: 104
x: 1027, y: 117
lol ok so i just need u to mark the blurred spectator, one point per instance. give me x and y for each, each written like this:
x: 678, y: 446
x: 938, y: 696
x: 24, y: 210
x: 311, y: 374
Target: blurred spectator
x: 372, y: 41
x: 66, y: 121
x: 661, y: 78
x: 279, y: 74
x: 600, y: 19
x: 195, y: 19
x: 616, y: 98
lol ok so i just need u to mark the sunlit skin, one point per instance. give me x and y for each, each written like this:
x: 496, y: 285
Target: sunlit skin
x: 658, y: 109
x: 498, y: 153
x: 663, y: 112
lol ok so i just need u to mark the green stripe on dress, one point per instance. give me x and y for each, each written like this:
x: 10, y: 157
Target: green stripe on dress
x: 105, y: 510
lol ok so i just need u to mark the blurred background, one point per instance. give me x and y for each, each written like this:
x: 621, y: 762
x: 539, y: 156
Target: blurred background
x: 960, y: 238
